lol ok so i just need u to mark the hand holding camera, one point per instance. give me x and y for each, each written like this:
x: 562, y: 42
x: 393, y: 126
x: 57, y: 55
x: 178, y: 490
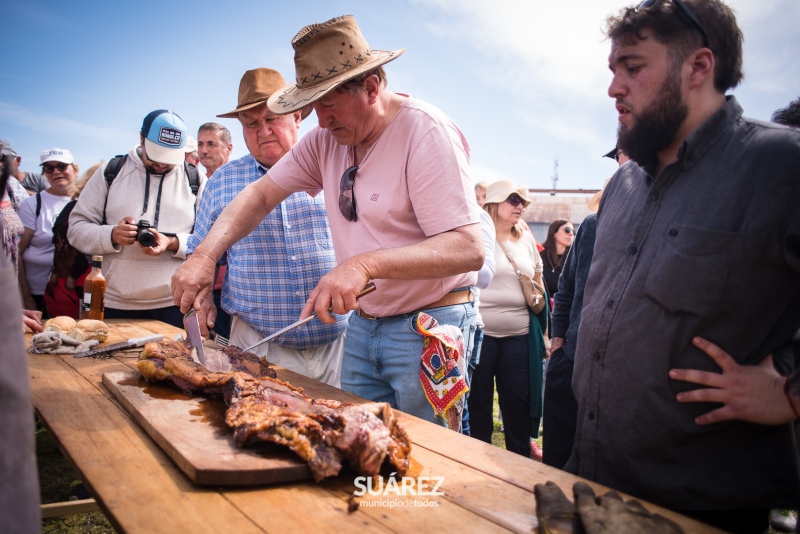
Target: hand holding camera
x: 153, y: 243
x: 144, y: 236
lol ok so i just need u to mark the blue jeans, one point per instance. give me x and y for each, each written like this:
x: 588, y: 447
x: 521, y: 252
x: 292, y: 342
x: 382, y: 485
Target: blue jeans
x: 475, y: 357
x: 382, y: 357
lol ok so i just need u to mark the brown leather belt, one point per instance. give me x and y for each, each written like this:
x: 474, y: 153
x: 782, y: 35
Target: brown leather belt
x: 450, y: 299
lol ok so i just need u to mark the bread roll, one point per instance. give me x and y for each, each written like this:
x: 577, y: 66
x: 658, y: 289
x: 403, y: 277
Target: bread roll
x: 87, y: 329
x: 62, y: 323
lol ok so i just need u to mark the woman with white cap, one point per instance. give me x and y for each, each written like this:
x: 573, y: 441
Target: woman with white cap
x: 513, y: 338
x: 38, y: 213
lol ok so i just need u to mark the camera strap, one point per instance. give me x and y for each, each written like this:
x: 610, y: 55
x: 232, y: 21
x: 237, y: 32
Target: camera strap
x: 147, y: 197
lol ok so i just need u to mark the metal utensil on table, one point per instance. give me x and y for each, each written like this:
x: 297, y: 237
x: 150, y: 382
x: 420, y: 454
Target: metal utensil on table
x: 192, y: 325
x: 133, y: 342
x: 366, y: 291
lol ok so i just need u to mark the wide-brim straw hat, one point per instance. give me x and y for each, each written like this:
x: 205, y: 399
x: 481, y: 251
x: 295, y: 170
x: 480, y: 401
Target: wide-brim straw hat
x: 500, y: 190
x: 255, y: 88
x: 594, y: 202
x: 327, y: 55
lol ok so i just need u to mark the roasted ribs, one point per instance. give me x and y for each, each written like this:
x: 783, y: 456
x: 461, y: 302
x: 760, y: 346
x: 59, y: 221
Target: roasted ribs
x: 263, y: 409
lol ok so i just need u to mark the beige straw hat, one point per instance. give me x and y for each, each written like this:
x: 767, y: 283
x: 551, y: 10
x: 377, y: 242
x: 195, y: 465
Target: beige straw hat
x: 255, y: 87
x: 325, y: 56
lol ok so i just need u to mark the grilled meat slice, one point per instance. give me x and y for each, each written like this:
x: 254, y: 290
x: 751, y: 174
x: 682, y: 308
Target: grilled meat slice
x: 264, y: 416
x: 170, y: 361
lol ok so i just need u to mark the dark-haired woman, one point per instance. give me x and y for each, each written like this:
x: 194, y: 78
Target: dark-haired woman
x: 556, y: 247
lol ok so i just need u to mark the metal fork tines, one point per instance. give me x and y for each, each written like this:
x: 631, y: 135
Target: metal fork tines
x: 221, y: 341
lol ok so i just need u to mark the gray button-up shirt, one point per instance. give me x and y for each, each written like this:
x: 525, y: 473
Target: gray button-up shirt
x: 710, y: 247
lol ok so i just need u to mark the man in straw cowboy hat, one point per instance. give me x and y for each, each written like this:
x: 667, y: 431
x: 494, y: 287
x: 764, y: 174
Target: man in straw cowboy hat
x: 395, y: 172
x: 272, y: 270
x: 698, y: 242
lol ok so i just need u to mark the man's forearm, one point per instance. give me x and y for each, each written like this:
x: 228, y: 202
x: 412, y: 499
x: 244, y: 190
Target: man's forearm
x: 241, y: 217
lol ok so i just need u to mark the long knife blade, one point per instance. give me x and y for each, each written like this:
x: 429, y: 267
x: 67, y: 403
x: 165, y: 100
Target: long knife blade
x: 366, y: 291
x: 133, y: 342
x: 192, y: 325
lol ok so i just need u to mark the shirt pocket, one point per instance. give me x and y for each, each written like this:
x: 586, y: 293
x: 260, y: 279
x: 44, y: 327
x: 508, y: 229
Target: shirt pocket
x: 690, y: 269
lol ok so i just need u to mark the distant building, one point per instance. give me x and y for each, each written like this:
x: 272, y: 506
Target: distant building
x: 546, y: 206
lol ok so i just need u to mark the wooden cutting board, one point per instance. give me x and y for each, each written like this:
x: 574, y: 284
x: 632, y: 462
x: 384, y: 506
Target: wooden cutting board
x: 192, y: 431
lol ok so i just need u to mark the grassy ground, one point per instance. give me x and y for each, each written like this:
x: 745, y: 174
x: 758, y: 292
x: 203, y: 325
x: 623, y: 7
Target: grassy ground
x: 57, y: 481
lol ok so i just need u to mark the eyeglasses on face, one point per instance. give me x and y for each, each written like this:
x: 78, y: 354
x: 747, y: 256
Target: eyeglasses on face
x: 48, y: 169
x: 686, y: 11
x: 347, y: 200
x: 515, y: 200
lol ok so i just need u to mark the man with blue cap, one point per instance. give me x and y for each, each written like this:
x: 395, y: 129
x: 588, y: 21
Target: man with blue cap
x: 138, y: 211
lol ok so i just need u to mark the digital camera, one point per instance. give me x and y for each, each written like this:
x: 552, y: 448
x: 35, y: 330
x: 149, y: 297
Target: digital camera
x: 144, y: 236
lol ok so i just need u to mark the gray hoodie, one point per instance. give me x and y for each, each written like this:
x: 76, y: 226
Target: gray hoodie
x: 135, y: 281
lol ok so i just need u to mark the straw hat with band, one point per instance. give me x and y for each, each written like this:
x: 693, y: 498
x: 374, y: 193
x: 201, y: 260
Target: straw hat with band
x: 498, y: 191
x: 255, y: 88
x: 327, y: 55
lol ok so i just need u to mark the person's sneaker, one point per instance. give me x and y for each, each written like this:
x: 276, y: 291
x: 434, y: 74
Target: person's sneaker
x: 536, y: 451
x: 785, y: 520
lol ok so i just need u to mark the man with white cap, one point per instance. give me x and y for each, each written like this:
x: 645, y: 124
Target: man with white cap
x: 400, y: 204
x: 190, y: 150
x: 272, y: 270
x: 140, y: 219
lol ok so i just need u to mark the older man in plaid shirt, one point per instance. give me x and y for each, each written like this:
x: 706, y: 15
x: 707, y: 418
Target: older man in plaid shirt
x: 272, y: 271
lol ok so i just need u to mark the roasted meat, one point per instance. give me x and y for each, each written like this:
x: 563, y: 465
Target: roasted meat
x: 170, y: 361
x: 322, y: 432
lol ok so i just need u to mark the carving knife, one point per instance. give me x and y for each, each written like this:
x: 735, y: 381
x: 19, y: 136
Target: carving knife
x: 192, y: 325
x: 133, y: 342
x: 366, y: 291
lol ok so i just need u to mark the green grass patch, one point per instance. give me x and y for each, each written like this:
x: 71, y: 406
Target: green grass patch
x: 56, y: 482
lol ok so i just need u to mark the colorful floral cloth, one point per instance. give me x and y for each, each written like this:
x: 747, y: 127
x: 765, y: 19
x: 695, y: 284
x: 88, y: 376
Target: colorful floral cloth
x: 443, y: 368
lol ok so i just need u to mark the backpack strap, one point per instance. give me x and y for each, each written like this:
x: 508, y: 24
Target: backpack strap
x: 193, y: 177
x: 111, y: 172
x: 38, y: 204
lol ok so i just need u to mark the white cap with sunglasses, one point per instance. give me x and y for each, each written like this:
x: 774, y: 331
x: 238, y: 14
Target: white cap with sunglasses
x: 499, y: 191
x: 61, y: 155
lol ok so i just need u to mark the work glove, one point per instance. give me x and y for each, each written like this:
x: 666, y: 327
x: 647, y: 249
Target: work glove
x: 556, y: 514
x: 609, y: 514
x: 52, y: 342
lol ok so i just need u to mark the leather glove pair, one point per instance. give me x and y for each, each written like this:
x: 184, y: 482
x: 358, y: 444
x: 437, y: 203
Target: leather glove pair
x: 606, y: 514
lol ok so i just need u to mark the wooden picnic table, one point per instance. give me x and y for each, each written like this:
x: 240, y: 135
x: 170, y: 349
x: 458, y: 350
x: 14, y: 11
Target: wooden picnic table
x: 140, y: 489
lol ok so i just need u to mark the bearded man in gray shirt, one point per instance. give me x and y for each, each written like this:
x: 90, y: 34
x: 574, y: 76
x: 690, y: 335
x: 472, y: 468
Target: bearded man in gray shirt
x: 698, y: 238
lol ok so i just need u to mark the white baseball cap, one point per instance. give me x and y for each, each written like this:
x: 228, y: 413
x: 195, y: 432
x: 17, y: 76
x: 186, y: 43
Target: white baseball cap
x: 191, y: 145
x: 57, y: 154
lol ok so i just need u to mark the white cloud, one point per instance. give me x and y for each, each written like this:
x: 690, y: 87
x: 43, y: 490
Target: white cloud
x: 51, y: 124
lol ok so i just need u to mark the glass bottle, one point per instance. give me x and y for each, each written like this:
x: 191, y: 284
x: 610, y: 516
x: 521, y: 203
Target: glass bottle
x: 94, y: 292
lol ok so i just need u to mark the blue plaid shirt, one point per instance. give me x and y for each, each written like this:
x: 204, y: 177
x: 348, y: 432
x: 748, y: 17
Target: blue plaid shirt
x: 272, y: 271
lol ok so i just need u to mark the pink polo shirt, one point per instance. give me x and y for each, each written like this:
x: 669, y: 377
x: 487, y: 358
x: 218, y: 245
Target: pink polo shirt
x: 412, y: 185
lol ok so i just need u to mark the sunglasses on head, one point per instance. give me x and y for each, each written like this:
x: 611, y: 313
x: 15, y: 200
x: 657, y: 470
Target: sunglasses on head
x: 48, y: 169
x: 686, y: 11
x: 515, y: 200
x: 347, y: 200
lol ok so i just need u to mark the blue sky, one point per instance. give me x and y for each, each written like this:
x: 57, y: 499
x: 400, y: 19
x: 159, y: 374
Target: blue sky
x: 525, y: 80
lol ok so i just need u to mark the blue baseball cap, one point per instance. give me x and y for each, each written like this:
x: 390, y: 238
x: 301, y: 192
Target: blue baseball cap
x: 165, y: 135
